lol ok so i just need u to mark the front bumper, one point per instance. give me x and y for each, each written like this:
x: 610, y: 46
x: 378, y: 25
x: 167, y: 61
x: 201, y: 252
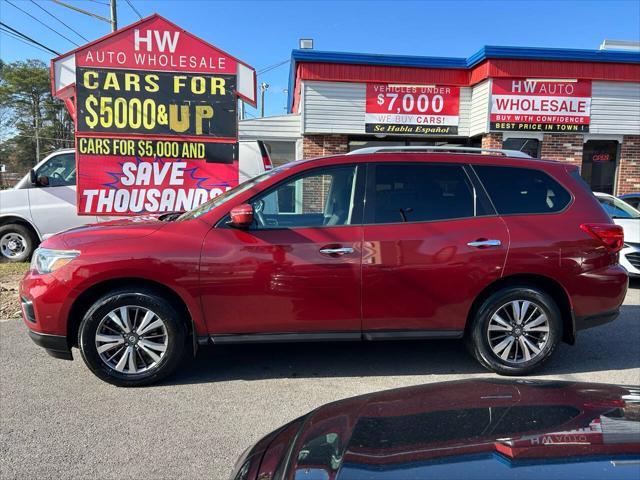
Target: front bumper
x: 630, y: 259
x: 55, y: 345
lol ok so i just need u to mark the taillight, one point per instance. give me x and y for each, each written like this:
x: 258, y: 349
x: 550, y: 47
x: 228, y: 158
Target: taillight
x: 612, y: 236
x: 266, y: 161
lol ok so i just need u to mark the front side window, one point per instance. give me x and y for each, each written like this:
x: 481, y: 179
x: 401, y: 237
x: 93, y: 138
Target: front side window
x: 322, y: 197
x: 59, y: 170
x: 516, y: 190
x: 420, y: 192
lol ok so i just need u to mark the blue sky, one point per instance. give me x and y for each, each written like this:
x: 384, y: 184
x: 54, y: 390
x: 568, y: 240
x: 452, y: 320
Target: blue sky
x: 263, y: 33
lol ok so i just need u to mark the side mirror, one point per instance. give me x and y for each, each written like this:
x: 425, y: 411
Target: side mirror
x: 42, y: 181
x: 33, y: 177
x: 241, y: 216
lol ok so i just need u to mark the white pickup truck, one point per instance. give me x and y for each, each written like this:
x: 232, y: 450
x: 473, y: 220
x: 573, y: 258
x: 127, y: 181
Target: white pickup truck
x: 44, y: 201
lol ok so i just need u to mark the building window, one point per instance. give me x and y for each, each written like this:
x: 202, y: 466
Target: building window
x: 599, y: 161
x: 530, y: 146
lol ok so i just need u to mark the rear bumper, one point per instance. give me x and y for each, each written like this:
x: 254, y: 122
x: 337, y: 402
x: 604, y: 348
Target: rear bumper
x: 590, y: 321
x: 55, y: 345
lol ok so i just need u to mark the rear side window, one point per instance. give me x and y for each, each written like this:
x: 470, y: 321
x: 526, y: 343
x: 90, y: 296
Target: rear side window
x: 522, y: 190
x: 400, y: 193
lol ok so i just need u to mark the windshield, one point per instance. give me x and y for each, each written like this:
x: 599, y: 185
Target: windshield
x: 617, y: 208
x: 226, y: 196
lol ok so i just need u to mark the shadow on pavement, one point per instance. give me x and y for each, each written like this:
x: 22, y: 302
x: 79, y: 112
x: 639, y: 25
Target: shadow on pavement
x: 613, y: 346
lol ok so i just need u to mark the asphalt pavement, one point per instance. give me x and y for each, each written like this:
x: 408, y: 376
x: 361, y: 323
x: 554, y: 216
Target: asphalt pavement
x: 59, y: 421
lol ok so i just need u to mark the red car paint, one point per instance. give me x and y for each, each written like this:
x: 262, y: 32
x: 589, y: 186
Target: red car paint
x: 404, y: 276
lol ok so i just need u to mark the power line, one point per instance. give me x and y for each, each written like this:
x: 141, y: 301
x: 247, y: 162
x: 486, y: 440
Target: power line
x: 272, y: 67
x: 101, y: 3
x: 52, y: 15
x: 27, y: 37
x: 42, y: 23
x: 134, y: 8
x: 85, y: 12
x: 20, y: 39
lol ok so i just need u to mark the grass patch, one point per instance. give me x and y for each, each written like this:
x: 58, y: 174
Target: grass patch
x: 13, y: 268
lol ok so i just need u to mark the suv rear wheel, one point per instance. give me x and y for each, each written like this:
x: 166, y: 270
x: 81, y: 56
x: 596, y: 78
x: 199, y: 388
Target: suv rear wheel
x: 131, y: 338
x: 515, y: 330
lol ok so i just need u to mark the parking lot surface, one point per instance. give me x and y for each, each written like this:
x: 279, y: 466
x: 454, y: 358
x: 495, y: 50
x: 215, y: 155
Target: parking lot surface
x: 59, y: 421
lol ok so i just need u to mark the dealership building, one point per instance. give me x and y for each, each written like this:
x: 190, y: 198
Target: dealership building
x: 576, y: 106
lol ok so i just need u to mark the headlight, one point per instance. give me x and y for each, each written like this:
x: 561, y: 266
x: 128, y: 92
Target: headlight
x: 45, y: 260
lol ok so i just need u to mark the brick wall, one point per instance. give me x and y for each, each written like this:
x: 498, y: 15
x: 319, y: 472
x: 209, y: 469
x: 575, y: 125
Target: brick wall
x: 629, y: 165
x: 562, y: 147
x: 492, y: 140
x: 324, y: 145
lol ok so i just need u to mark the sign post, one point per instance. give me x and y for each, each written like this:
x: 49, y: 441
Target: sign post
x: 155, y: 116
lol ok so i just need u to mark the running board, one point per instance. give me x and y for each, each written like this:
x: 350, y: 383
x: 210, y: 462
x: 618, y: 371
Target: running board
x: 331, y: 337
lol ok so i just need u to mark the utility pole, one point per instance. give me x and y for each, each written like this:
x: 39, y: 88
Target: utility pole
x: 263, y: 89
x: 37, y: 133
x: 114, y: 15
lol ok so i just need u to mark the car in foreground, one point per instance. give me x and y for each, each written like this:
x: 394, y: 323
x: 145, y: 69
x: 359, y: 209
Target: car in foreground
x: 632, y: 199
x: 511, y: 254
x: 43, y: 202
x: 479, y: 429
x: 629, y: 219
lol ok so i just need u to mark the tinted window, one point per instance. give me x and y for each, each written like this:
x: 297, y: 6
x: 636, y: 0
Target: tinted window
x: 522, y: 190
x: 616, y: 208
x: 323, y: 197
x: 60, y: 170
x: 418, y: 193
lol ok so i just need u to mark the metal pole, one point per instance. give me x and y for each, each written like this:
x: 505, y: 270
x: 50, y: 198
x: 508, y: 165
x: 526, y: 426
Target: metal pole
x: 114, y: 15
x: 263, y: 88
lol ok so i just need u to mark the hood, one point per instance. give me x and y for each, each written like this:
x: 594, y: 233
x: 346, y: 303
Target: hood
x: 631, y: 227
x: 130, y: 227
x: 457, y: 429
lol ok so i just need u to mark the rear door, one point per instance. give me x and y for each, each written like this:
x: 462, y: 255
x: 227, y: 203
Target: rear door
x: 431, y: 243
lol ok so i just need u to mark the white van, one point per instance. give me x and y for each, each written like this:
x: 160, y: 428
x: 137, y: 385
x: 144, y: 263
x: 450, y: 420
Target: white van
x: 44, y: 201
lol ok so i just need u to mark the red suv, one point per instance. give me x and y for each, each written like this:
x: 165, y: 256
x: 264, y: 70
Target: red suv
x: 511, y: 254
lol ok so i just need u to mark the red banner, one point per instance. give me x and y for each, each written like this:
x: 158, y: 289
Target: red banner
x: 412, y: 109
x: 540, y: 105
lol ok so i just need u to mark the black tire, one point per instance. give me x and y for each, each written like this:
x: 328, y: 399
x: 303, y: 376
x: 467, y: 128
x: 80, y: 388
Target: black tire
x: 477, y: 338
x: 23, y: 239
x: 174, y: 326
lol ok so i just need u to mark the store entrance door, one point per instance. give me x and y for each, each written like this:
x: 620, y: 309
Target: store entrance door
x: 599, y: 162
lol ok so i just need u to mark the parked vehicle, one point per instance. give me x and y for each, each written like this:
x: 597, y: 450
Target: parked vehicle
x: 511, y: 254
x: 629, y: 219
x: 632, y: 199
x: 480, y: 429
x: 44, y: 201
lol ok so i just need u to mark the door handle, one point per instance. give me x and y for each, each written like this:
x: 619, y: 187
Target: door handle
x: 485, y: 243
x: 336, y: 251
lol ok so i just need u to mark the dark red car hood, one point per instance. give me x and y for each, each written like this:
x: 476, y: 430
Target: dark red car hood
x: 470, y: 429
x: 131, y: 227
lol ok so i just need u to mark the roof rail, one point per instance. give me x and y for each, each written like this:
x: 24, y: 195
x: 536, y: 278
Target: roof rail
x: 443, y: 148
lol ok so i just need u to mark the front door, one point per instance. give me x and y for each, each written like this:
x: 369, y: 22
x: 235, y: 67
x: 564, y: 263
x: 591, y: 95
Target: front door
x: 431, y: 244
x: 297, y: 269
x: 53, y: 201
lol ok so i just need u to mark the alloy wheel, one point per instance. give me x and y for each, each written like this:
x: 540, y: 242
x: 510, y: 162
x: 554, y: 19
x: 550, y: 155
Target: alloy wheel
x: 12, y: 245
x: 131, y: 339
x: 518, y: 331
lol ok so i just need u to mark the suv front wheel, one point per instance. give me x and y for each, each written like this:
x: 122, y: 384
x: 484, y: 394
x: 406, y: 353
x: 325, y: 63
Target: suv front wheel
x: 515, y: 330
x: 131, y: 338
